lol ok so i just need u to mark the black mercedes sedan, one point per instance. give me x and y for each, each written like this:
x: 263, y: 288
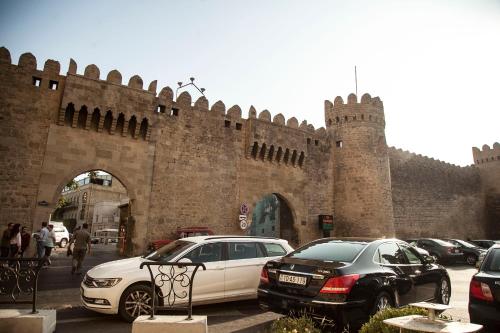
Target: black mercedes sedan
x: 484, y: 292
x: 349, y: 279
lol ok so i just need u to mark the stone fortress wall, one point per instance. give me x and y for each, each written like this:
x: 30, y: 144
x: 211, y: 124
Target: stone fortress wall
x: 187, y: 164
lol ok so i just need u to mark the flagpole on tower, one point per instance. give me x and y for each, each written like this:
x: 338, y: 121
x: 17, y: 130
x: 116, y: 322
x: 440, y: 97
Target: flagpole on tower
x: 356, y: 79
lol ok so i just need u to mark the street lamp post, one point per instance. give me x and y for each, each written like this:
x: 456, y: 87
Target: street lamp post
x: 201, y: 90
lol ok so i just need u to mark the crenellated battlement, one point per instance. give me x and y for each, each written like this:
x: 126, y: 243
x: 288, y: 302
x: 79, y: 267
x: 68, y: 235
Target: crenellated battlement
x: 486, y: 154
x: 116, y: 98
x: 406, y: 155
x: 369, y: 110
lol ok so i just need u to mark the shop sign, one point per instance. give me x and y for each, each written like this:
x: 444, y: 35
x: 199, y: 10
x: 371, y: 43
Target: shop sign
x: 326, y: 222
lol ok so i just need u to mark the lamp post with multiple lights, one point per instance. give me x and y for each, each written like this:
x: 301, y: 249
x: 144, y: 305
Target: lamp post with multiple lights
x: 201, y: 90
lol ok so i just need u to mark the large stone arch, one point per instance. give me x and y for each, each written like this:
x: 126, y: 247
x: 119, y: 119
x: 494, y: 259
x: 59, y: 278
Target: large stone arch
x: 68, y: 155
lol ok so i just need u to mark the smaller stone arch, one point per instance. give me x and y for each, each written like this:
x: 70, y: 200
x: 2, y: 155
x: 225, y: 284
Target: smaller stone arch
x: 5, y: 56
x: 301, y: 159
x: 252, y: 113
x: 219, y: 108
x: 52, y: 66
x: 255, y: 149
x: 279, y: 155
x: 279, y: 119
x: 184, y: 100
x: 201, y: 103
x: 294, y: 158
x: 292, y: 122
x: 286, y: 157
x: 234, y: 113
x: 265, y: 115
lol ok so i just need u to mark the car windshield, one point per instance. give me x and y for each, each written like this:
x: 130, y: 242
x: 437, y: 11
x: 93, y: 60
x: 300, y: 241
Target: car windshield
x: 466, y: 244
x: 333, y: 250
x: 492, y: 263
x: 442, y: 242
x: 169, y: 251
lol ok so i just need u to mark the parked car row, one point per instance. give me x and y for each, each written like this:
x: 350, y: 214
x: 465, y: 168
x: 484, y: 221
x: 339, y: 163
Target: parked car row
x: 450, y: 250
x: 346, y: 280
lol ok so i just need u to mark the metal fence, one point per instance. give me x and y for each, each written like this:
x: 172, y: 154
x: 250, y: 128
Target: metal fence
x: 18, y: 277
x: 173, y: 279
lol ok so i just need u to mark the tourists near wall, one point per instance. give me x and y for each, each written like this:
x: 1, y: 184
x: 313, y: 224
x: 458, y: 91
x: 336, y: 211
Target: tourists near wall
x: 50, y: 242
x: 5, y: 246
x: 15, y: 240
x: 25, y: 241
x: 40, y: 240
x: 81, y: 238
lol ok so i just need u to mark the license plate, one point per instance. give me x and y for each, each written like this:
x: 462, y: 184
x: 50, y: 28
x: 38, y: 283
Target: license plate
x: 300, y: 280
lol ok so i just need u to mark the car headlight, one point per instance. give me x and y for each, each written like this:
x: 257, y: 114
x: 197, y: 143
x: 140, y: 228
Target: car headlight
x: 104, y: 283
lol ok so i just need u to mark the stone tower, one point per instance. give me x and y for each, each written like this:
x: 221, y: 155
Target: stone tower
x: 362, y: 181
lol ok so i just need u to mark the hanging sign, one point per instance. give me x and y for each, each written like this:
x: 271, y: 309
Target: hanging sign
x: 325, y: 222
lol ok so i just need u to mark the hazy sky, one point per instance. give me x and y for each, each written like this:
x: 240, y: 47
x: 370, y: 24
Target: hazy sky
x: 435, y: 64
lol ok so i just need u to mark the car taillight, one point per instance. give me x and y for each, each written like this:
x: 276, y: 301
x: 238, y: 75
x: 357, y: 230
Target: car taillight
x: 340, y: 284
x: 451, y: 250
x: 264, y: 277
x: 480, y: 290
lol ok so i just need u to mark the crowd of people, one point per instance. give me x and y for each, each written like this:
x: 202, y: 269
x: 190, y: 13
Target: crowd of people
x: 16, y: 240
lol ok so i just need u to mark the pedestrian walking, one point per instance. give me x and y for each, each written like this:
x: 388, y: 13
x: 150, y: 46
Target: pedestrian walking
x: 5, y: 246
x: 81, y: 238
x: 25, y: 241
x: 15, y: 240
x: 40, y: 241
x: 50, y: 242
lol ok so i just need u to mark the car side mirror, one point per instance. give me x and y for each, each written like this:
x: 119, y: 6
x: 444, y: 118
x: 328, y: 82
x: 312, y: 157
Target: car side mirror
x: 429, y: 259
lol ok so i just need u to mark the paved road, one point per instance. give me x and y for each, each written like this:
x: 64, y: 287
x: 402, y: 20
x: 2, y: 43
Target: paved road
x: 60, y: 290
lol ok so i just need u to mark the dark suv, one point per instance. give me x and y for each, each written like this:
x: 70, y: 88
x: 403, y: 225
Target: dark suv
x: 347, y: 280
x: 471, y: 252
x: 440, y: 250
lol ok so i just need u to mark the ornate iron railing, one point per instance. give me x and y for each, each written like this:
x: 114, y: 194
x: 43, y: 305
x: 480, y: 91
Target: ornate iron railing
x: 173, y: 278
x: 19, y: 276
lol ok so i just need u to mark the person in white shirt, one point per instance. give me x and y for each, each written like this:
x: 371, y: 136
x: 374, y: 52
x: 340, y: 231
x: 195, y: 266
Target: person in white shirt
x: 50, y: 242
x: 40, y: 240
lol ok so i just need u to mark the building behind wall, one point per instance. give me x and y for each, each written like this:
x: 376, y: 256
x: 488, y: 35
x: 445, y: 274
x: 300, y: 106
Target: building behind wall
x: 101, y: 192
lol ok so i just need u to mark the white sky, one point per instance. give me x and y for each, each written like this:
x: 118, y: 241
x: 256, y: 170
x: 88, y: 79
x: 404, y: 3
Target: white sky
x: 435, y: 64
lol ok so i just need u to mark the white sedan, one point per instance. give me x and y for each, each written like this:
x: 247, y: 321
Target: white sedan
x: 233, y: 267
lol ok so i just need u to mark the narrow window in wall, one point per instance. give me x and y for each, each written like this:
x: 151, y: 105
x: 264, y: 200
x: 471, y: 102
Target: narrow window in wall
x: 94, y: 122
x: 82, y: 117
x: 37, y: 82
x: 227, y: 123
x: 238, y: 126
x: 316, y: 142
x: 329, y: 122
x: 53, y: 85
x: 255, y: 149
x: 346, y: 119
x: 120, y: 122
x: 271, y: 154
x: 132, y: 124
x: 362, y: 117
x: 68, y: 114
x: 160, y: 109
x: 287, y: 156
x: 263, y: 152
x: 308, y: 141
x: 294, y: 157
x: 175, y: 112
x: 144, y: 129
x: 279, y: 154
x: 301, y: 159
x: 337, y: 119
x: 108, y: 120
x: 339, y: 144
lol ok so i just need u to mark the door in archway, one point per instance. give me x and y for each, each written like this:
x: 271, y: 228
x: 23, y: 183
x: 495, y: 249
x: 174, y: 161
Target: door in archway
x: 272, y: 217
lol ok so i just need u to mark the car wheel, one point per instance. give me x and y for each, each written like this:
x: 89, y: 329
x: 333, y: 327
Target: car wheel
x: 135, y: 302
x: 382, y: 301
x: 63, y: 242
x: 443, y: 292
x: 471, y: 259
